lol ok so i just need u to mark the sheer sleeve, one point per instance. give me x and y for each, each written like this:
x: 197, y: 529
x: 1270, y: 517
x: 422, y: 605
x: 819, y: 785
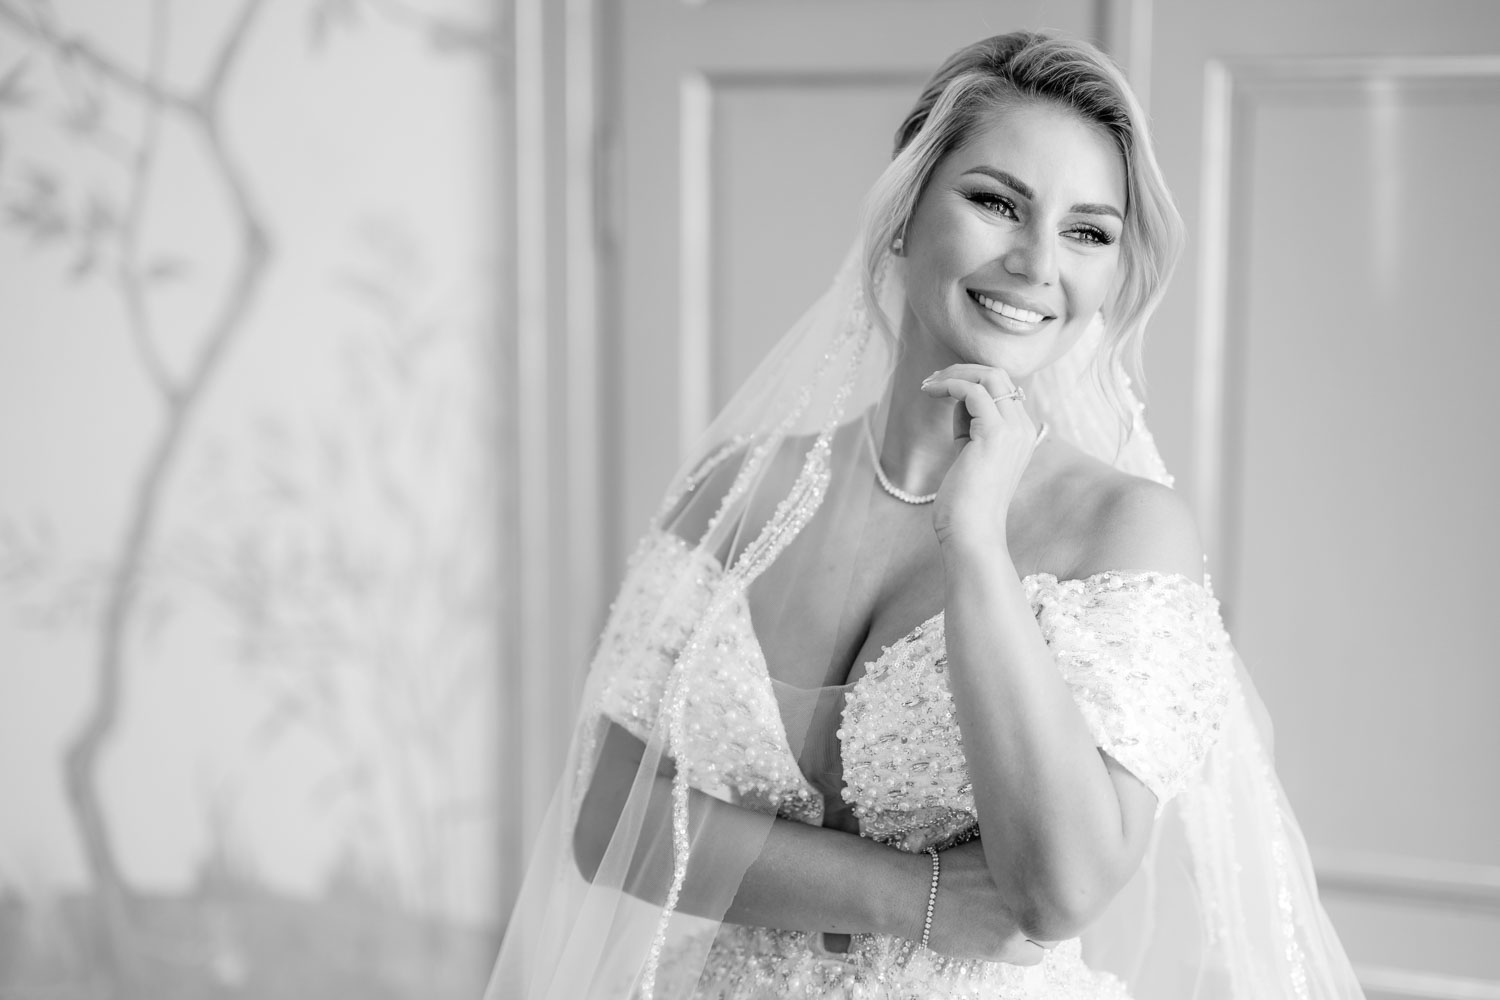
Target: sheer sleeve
x: 1150, y: 666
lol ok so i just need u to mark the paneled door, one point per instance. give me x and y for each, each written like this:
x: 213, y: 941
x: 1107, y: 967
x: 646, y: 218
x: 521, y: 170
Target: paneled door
x: 1324, y: 381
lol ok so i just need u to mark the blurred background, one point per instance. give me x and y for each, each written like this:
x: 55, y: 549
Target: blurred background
x: 346, y: 345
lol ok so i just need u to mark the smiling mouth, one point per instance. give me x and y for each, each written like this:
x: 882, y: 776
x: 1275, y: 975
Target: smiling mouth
x: 1025, y: 316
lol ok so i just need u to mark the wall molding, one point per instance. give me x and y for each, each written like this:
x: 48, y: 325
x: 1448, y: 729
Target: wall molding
x: 1384, y: 983
x: 1412, y: 880
x: 555, y: 464
x: 1124, y: 29
x: 1407, y: 881
x: 1231, y: 89
x: 695, y: 266
x: 521, y: 514
x: 698, y: 94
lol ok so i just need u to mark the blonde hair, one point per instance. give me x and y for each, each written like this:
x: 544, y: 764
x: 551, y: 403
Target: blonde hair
x: 1024, y: 67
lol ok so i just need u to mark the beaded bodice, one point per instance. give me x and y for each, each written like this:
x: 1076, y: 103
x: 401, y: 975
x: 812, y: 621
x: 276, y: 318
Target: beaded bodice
x: 1144, y: 653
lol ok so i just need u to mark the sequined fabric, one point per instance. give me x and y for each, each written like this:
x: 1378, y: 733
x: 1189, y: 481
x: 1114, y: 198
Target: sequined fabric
x: 1149, y: 663
x: 755, y: 963
x: 1147, y: 660
x: 1145, y: 655
x: 732, y: 729
x: 734, y: 741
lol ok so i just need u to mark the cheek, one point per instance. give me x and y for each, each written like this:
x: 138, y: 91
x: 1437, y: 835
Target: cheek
x: 945, y: 260
x: 1093, y: 286
x: 969, y: 244
x: 953, y: 239
x: 1068, y: 338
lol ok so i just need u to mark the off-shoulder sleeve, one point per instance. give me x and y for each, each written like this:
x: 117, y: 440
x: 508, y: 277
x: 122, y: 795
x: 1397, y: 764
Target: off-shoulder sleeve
x: 1150, y: 666
x: 733, y: 737
x: 666, y: 587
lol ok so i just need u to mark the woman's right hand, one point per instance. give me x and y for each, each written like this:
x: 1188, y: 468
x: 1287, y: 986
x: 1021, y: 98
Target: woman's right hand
x: 970, y: 920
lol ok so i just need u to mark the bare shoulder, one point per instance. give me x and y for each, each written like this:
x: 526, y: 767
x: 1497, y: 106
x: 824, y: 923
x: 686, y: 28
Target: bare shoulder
x: 1136, y: 524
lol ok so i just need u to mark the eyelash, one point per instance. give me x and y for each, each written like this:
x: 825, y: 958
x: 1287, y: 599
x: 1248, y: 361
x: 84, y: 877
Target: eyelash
x: 1097, y: 236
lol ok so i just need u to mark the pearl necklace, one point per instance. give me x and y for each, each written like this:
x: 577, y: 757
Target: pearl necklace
x: 898, y: 492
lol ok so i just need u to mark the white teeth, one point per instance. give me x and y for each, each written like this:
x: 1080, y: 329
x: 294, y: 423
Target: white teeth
x: 1010, y: 312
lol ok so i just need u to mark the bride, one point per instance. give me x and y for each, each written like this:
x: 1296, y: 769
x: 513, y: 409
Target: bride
x: 916, y: 686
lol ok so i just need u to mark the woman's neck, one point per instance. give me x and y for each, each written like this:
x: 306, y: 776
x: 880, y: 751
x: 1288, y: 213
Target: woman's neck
x: 917, y: 445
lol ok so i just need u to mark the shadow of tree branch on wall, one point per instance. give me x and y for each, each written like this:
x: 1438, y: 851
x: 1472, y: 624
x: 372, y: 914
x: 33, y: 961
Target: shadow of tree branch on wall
x: 114, y: 916
x: 231, y: 936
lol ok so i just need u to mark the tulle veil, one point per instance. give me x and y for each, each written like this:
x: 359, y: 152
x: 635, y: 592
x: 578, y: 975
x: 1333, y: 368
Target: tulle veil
x: 1225, y: 904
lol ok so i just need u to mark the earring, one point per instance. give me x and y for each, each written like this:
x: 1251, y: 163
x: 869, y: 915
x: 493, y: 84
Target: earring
x: 897, y: 244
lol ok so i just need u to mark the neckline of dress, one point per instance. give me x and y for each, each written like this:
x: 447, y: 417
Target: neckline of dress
x: 1040, y: 578
x: 809, y: 790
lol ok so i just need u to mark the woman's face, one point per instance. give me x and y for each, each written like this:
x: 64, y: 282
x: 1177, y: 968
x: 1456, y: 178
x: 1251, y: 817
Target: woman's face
x: 1015, y: 241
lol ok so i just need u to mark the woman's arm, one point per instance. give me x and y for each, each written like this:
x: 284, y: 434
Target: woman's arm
x: 802, y: 877
x: 1065, y: 825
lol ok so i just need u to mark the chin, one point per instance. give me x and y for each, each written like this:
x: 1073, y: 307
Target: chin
x: 1044, y: 354
x: 1018, y: 364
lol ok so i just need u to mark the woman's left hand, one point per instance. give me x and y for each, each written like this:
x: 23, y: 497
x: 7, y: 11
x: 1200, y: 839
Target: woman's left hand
x: 996, y: 439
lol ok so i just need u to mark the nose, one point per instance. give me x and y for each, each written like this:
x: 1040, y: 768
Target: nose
x: 1032, y: 255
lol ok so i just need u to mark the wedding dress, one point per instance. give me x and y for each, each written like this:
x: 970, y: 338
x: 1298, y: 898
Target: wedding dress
x: 1224, y: 905
x: 1147, y: 659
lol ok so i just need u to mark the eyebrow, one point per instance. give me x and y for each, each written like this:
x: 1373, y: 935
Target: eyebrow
x: 1024, y: 190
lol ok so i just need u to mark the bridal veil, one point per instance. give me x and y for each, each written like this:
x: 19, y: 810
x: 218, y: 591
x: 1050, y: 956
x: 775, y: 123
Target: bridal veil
x: 1225, y: 904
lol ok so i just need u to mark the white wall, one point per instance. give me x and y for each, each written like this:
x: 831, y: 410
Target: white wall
x: 307, y: 695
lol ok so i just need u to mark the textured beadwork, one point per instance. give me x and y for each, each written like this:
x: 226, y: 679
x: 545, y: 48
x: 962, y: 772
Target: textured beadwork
x: 733, y: 737
x: 757, y: 963
x: 1149, y: 663
x: 790, y: 516
x: 1145, y: 655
